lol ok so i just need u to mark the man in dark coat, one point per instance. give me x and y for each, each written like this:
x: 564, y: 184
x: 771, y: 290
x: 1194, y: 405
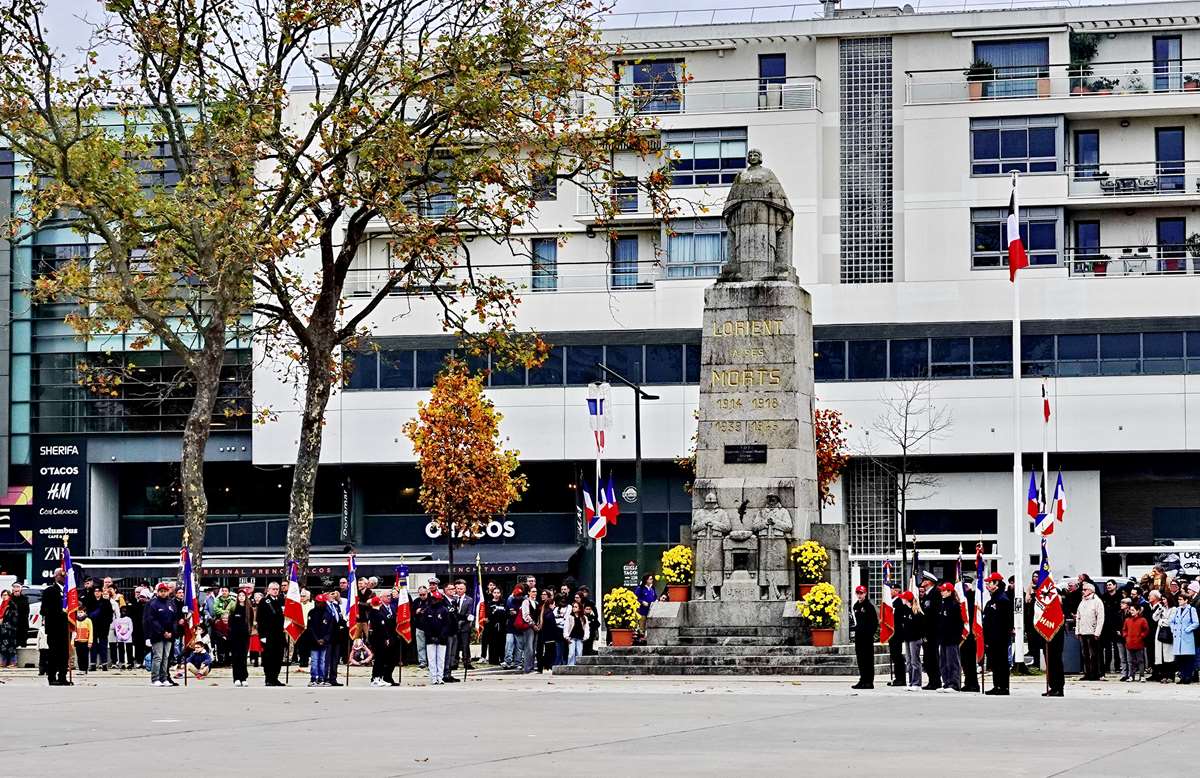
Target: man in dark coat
x: 896, y: 643
x: 160, y: 622
x: 950, y: 625
x: 866, y: 624
x: 269, y: 620
x: 20, y: 601
x: 966, y: 652
x: 383, y: 640
x: 931, y: 605
x: 337, y: 644
x: 58, y: 638
x: 997, y: 632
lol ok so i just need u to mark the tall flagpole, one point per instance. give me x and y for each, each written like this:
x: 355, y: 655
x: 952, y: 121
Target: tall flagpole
x: 598, y: 596
x: 1045, y: 449
x: 1018, y: 496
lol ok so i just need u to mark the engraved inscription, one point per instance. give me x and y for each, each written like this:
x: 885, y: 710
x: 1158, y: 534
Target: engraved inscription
x: 745, y: 378
x: 740, y: 328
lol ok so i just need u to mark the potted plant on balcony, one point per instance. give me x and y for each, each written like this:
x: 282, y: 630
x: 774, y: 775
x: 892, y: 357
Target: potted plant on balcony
x: 977, y: 73
x: 811, y: 560
x: 678, y: 567
x: 1105, y: 86
x: 621, y: 615
x: 1192, y: 244
x: 822, y: 609
x: 1079, y: 72
x: 1191, y: 82
x: 1134, y: 83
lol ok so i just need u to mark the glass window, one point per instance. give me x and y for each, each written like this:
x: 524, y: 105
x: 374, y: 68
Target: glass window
x: 6, y: 163
x: 1162, y: 353
x: 868, y: 359
x: 1087, y: 153
x: 1172, y: 255
x: 1120, y: 354
x: 396, y: 369
x: 509, y: 376
x: 1039, y: 234
x: 626, y: 360
x: 1077, y: 355
x: 691, y: 363
x: 829, y: 362
x: 362, y: 369
x: 664, y: 364
x: 950, y: 357
x: 653, y: 85
x: 1168, y: 154
x: 550, y: 372
x: 1037, y: 355
x: 429, y: 364
x: 544, y: 253
x: 625, y: 194
x: 910, y: 358
x: 772, y: 68
x: 581, y: 364
x: 1017, y: 66
x: 992, y: 355
x: 545, y: 186
x: 624, y: 261
x: 1168, y: 63
x: 1021, y: 144
x: 696, y: 248
x: 705, y: 157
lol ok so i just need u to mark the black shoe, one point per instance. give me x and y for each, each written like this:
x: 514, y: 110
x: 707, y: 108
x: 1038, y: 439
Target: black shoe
x: 469, y: 667
x: 997, y: 692
x: 392, y: 683
x: 933, y: 687
x: 334, y: 683
x: 171, y: 682
x: 1052, y: 694
x: 452, y: 679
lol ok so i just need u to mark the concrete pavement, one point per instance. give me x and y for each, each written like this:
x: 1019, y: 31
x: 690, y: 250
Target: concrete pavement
x: 499, y: 724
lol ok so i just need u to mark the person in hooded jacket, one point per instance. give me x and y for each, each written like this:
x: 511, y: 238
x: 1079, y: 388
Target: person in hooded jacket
x: 439, y: 625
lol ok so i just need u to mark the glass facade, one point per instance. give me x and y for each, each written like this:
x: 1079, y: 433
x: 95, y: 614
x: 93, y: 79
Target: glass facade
x: 705, y: 157
x: 696, y: 248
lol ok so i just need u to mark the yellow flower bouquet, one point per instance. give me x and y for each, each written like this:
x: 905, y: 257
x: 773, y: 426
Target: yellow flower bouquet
x: 678, y: 565
x: 822, y: 607
x: 811, y: 560
x: 621, y: 609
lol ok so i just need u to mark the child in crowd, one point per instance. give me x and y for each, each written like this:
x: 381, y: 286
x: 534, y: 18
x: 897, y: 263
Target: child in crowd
x: 360, y: 654
x: 84, y: 638
x: 123, y: 631
x: 1134, y: 632
x: 200, y: 656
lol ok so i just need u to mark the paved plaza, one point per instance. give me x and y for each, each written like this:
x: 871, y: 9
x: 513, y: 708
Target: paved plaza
x: 500, y: 725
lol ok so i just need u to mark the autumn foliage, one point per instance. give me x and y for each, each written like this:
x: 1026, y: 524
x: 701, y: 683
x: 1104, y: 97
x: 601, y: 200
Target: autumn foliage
x: 467, y: 477
x: 832, y: 456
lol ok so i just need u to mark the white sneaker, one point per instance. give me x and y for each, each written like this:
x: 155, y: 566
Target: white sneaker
x: 156, y: 683
x: 913, y: 688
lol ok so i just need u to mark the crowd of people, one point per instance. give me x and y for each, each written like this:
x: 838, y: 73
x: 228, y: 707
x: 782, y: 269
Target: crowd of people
x: 526, y: 630
x: 1143, y: 630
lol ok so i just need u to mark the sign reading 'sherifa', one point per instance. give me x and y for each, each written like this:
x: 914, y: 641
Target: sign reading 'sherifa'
x: 60, y: 500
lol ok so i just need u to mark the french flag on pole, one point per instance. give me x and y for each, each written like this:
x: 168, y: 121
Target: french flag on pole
x: 597, y: 523
x: 977, y: 618
x: 1017, y: 258
x: 190, y: 604
x: 597, y: 401
x: 608, y: 502
x: 887, y: 618
x: 293, y: 609
x: 1034, y: 502
x: 70, y: 588
x: 350, y: 604
x: 1060, y: 499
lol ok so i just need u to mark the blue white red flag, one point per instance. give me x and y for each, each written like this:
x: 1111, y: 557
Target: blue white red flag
x: 1048, y: 617
x: 350, y: 604
x: 887, y: 619
x: 403, y: 605
x: 190, y: 604
x: 597, y: 524
x: 480, y: 605
x: 1060, y: 499
x: 977, y: 617
x: 70, y: 588
x: 1017, y: 258
x: 597, y: 402
x: 293, y: 609
x: 961, y: 589
x: 1034, y: 504
x: 608, y: 503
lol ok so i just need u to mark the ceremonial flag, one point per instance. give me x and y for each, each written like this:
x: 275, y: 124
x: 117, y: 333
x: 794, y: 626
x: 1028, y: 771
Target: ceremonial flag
x: 1045, y: 403
x: 977, y: 618
x: 190, y: 604
x: 962, y: 596
x: 1060, y: 499
x: 480, y: 605
x: 403, y: 605
x: 70, y: 589
x: 1017, y: 258
x: 597, y: 524
x: 608, y: 503
x: 1048, y: 615
x: 293, y: 609
x: 887, y: 619
x: 350, y: 604
x: 1034, y: 505
x: 597, y: 401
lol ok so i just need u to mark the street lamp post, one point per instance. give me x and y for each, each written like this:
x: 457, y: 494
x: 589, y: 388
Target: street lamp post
x: 638, y: 395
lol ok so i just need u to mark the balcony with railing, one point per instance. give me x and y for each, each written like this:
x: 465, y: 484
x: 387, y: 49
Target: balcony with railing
x: 629, y: 202
x: 1034, y: 82
x: 1174, y: 178
x: 1122, y: 261
x: 733, y: 95
x: 616, y: 275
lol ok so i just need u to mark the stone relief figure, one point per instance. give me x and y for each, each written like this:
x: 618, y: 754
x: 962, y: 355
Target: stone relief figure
x: 710, y: 525
x: 759, y: 218
x: 740, y: 549
x: 773, y: 526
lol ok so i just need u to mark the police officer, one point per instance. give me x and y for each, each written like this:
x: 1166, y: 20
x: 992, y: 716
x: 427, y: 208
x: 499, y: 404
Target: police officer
x: 931, y: 605
x: 866, y: 624
x: 997, y: 632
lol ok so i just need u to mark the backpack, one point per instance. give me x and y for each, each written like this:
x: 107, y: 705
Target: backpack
x: 520, y: 623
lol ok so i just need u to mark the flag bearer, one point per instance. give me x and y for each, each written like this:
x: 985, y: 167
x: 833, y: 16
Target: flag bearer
x: 997, y: 632
x: 866, y: 625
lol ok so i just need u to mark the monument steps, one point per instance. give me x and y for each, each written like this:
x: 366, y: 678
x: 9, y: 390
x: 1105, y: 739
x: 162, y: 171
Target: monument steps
x: 727, y: 659
x: 739, y: 631
x: 844, y: 651
x: 728, y: 640
x: 712, y: 660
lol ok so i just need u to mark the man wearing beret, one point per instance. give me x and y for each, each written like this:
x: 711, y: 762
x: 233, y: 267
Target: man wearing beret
x: 997, y: 632
x: 931, y: 605
x: 866, y: 624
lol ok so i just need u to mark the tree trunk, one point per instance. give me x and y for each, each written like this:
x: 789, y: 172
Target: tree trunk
x: 206, y: 374
x: 308, y: 457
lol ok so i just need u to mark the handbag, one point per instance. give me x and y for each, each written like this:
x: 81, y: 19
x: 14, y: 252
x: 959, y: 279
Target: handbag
x: 1164, y: 634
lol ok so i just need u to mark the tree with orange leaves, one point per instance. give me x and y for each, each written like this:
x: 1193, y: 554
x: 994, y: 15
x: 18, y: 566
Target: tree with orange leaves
x: 829, y: 428
x: 467, y: 477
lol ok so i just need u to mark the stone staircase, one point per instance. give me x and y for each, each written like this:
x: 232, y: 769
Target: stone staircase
x: 726, y: 651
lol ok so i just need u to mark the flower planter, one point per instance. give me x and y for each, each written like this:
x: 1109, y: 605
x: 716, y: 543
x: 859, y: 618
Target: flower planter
x: 1080, y: 90
x: 822, y: 636
x: 1103, y: 91
x: 624, y: 637
x: 1191, y: 86
x: 975, y: 90
x: 1043, y: 87
x: 677, y: 592
x: 805, y: 588
x: 1099, y: 268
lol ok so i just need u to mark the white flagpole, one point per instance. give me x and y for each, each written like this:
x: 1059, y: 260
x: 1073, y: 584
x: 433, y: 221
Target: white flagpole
x: 1046, y: 487
x: 599, y: 595
x: 1019, y: 577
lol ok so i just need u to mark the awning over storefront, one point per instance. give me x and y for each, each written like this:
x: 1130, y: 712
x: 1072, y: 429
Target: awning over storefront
x: 502, y: 559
